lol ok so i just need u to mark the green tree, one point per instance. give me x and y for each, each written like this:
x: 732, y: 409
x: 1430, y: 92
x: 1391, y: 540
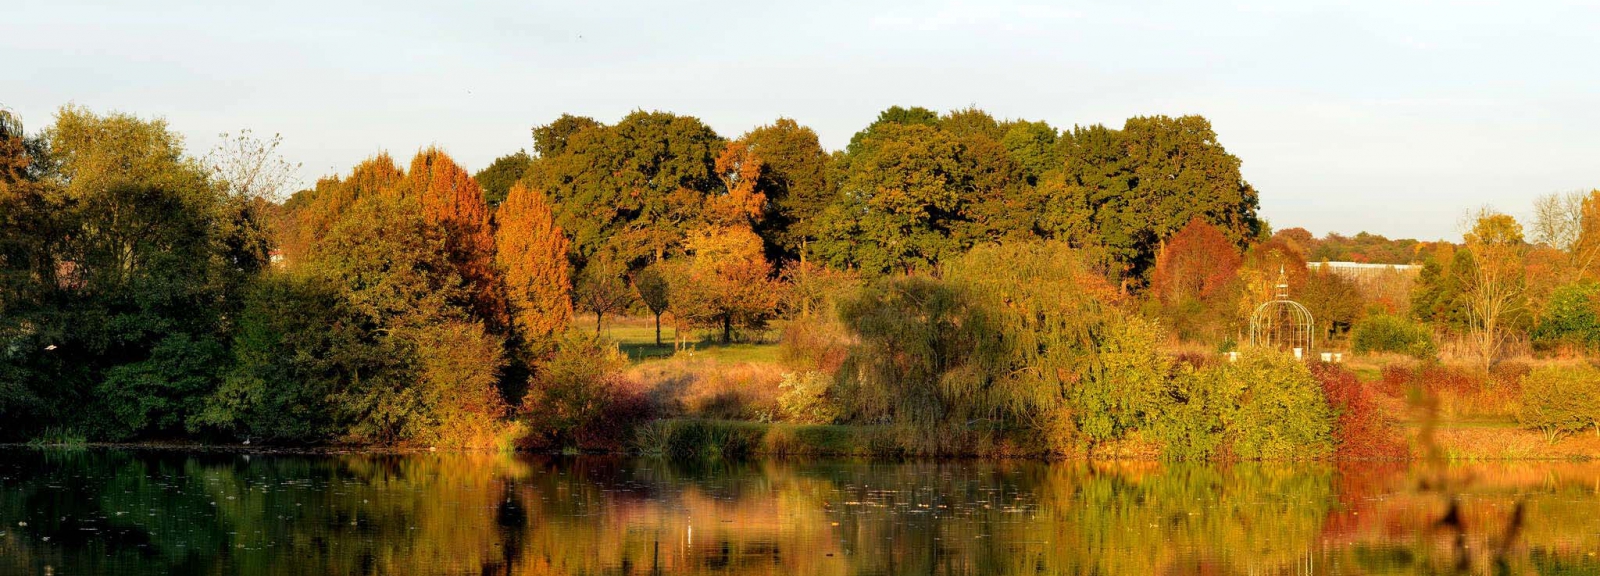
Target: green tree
x: 902, y: 195
x: 497, y: 178
x: 298, y: 346
x: 795, y: 182
x: 1136, y: 187
x: 551, y: 139
x: 148, y: 259
x: 1032, y: 145
x: 654, y: 292
x: 1571, y: 318
x: 894, y: 115
x: 633, y: 189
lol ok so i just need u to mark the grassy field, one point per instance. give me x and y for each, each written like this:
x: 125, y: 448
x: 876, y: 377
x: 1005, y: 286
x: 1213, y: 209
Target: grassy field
x: 636, y: 337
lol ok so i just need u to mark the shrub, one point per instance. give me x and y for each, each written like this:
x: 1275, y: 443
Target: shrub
x: 1387, y: 333
x: 1191, y: 424
x: 1281, y: 412
x: 1560, y: 400
x: 1570, y: 318
x: 1266, y: 406
x: 1126, y: 382
x: 580, y: 398
x: 1360, y: 430
x: 805, y: 399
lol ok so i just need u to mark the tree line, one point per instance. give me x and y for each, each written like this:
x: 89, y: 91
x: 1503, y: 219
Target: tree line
x: 151, y: 293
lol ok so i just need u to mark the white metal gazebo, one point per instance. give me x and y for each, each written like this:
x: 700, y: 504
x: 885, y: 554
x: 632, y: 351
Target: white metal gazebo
x: 1282, y: 324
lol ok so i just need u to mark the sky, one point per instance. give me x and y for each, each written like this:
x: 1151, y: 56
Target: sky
x: 1392, y: 117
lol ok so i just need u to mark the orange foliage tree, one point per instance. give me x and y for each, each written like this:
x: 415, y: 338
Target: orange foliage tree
x: 1197, y: 262
x: 726, y: 282
x: 532, y: 251
x: 740, y: 170
x: 310, y: 214
x: 450, y: 196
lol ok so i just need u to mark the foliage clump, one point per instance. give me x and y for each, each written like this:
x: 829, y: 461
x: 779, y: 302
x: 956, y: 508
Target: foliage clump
x: 1560, y: 400
x: 1394, y: 334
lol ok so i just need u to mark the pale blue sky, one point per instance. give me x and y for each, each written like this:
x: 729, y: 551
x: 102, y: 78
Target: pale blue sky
x: 1392, y: 117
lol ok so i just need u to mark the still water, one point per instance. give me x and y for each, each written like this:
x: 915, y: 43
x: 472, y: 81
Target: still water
x: 162, y: 512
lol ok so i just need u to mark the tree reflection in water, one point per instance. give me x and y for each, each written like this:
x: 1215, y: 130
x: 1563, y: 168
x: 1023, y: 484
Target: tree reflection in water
x: 136, y: 512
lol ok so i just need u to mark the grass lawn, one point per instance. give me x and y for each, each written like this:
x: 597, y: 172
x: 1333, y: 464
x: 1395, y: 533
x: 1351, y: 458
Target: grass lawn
x: 636, y: 337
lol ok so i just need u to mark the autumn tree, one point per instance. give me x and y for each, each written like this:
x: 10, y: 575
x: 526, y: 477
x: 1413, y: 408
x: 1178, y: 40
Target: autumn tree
x: 390, y: 261
x: 1263, y: 267
x: 726, y: 282
x: 1570, y: 222
x: 449, y: 196
x: 1197, y: 262
x: 1335, y: 301
x: 741, y: 200
x: 309, y: 214
x: 1494, y: 288
x: 532, y: 252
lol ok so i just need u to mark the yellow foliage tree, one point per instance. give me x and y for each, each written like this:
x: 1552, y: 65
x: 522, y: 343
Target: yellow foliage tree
x: 1495, y: 288
x: 532, y: 251
x: 726, y: 282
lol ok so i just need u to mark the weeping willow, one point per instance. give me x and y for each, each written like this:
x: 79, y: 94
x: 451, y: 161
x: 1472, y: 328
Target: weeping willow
x: 1022, y: 337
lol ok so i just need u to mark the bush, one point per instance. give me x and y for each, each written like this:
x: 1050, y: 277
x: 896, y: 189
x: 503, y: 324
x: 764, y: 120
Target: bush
x: 1387, y: 333
x: 1281, y: 412
x: 580, y: 399
x: 1126, y: 382
x: 1560, y: 400
x: 1267, y: 406
x: 1191, y: 424
x: 1570, y: 319
x: 1361, y: 430
x: 805, y: 399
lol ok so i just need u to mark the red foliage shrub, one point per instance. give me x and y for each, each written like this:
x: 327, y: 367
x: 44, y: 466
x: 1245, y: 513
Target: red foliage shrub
x: 625, y: 408
x: 1362, y: 430
x: 1436, y: 379
x: 1396, y: 380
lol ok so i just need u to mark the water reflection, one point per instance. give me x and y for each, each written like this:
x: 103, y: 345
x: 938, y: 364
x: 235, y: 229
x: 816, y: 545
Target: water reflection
x: 102, y: 512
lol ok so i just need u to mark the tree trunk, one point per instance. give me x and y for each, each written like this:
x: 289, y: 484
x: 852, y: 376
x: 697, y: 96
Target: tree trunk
x: 658, y: 328
x: 727, y: 329
x: 598, y: 317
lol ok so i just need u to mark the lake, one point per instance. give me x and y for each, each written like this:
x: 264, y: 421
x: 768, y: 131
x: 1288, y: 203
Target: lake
x: 104, y: 511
